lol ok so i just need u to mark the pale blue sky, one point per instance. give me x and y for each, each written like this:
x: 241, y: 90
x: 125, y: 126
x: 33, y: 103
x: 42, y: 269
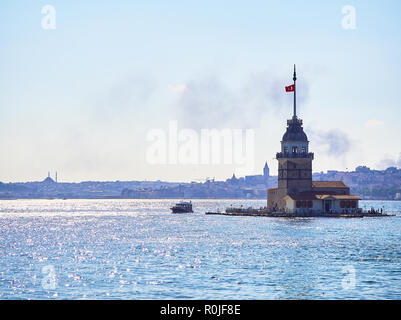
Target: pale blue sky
x: 80, y: 99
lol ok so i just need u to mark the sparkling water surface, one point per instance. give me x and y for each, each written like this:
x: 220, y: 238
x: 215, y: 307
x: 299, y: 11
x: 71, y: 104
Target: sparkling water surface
x: 137, y: 249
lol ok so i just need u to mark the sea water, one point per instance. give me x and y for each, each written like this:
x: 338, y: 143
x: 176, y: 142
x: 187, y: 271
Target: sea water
x: 137, y: 249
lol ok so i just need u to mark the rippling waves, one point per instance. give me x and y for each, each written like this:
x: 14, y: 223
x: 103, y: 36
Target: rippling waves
x: 136, y: 249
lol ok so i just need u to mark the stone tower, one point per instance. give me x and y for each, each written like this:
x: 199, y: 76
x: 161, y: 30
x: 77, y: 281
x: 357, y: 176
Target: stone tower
x: 294, y: 160
x: 266, y: 174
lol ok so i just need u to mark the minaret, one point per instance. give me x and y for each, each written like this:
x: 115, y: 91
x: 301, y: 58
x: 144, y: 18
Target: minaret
x: 294, y: 160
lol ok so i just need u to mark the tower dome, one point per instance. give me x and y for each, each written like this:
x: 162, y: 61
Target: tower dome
x: 295, y: 132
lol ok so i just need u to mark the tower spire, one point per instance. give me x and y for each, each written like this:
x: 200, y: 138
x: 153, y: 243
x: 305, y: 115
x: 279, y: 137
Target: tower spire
x: 295, y: 93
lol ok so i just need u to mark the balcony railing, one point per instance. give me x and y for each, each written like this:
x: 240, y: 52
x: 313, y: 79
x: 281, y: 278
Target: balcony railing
x: 294, y: 121
x: 294, y: 155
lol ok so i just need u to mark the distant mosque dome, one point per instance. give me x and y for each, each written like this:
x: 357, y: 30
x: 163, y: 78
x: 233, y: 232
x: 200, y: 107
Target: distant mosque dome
x: 295, y: 132
x: 48, y: 180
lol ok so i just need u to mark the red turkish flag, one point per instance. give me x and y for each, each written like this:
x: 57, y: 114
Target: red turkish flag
x: 290, y: 88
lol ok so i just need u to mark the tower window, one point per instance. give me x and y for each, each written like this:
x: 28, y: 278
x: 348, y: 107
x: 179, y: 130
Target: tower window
x: 303, y: 150
x: 285, y: 150
x: 294, y: 149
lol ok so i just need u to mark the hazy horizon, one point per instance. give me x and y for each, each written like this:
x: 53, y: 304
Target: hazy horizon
x: 52, y: 176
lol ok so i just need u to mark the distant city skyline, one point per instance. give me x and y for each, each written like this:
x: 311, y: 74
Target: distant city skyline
x: 81, y: 99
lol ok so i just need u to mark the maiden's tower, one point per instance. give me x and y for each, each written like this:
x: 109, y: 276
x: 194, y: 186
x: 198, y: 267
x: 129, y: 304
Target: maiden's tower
x: 296, y: 192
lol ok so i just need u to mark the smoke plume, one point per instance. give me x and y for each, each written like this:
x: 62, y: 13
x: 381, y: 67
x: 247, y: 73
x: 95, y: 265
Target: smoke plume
x: 335, y: 142
x: 210, y: 102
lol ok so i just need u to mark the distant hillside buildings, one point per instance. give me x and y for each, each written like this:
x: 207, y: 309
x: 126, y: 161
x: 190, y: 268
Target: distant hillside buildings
x: 248, y: 187
x: 368, y: 183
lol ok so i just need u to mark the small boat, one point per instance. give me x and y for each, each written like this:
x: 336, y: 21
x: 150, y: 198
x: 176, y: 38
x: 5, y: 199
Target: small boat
x: 182, y: 207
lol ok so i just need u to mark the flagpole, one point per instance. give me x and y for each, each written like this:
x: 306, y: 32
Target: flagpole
x: 295, y: 93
